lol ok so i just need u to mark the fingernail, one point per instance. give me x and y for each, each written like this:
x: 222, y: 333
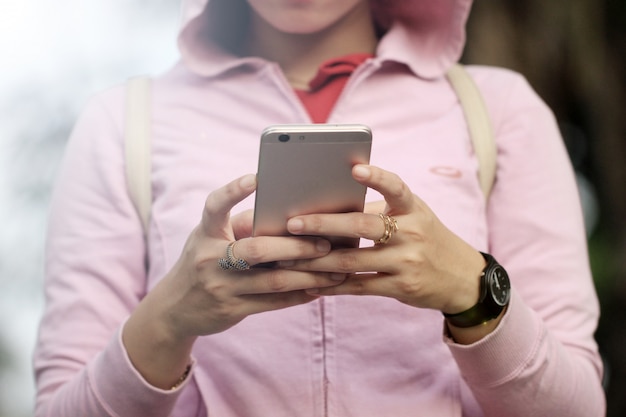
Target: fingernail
x: 361, y: 171
x: 322, y: 245
x: 295, y: 225
x: 248, y: 182
x: 337, y: 277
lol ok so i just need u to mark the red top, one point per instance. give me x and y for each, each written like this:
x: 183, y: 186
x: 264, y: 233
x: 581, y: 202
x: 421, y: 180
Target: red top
x: 325, y: 87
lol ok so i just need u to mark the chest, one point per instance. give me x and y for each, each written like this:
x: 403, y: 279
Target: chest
x: 214, y: 139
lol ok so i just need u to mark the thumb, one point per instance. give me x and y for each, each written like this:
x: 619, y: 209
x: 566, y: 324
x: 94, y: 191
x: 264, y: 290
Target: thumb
x: 216, y: 213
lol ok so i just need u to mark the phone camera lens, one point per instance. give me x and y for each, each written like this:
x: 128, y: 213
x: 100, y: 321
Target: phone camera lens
x: 283, y: 138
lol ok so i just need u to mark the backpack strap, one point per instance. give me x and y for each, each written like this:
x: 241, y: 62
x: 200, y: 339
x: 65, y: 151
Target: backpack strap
x: 478, y: 123
x: 138, y: 147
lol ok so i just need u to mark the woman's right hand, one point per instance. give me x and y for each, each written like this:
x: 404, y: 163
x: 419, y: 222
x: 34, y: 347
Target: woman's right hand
x: 197, y: 297
x: 205, y: 299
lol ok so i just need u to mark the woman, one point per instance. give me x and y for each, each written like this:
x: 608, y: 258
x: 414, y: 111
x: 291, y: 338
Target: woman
x: 197, y: 337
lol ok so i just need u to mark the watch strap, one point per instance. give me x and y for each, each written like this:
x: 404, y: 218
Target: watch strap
x: 478, y: 314
x: 484, y: 310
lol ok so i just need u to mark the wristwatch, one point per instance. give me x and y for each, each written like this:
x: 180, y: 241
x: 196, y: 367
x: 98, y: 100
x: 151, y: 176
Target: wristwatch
x: 495, y: 293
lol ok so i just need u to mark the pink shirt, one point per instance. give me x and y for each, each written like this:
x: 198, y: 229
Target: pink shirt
x: 337, y: 356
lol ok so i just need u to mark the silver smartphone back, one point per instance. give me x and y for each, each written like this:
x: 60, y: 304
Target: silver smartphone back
x: 305, y: 169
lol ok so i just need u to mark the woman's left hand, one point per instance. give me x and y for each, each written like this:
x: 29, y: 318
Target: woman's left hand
x: 423, y: 264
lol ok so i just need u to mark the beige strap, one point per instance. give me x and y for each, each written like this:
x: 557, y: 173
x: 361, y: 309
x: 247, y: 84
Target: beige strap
x: 138, y: 149
x: 478, y: 123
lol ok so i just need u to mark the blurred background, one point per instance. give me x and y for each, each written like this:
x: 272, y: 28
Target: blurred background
x: 55, y: 54
x: 573, y: 52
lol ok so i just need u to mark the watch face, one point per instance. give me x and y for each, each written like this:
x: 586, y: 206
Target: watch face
x: 500, y: 286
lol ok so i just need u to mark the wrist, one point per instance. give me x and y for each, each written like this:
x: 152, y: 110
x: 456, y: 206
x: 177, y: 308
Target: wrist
x: 493, y: 299
x: 469, y: 335
x: 466, y: 291
x: 156, y: 350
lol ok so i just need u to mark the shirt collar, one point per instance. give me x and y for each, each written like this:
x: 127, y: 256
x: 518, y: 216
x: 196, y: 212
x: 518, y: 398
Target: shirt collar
x: 426, y: 36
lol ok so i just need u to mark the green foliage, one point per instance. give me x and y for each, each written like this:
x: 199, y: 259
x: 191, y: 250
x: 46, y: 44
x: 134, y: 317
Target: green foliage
x: 603, y: 266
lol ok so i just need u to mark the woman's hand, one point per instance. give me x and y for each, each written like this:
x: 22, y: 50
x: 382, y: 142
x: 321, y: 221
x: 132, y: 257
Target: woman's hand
x: 206, y: 299
x: 198, y: 297
x: 423, y: 264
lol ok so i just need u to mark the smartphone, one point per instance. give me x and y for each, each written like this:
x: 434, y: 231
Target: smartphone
x: 305, y: 169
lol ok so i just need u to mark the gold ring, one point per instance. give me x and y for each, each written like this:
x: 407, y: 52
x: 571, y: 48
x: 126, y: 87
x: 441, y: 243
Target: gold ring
x: 391, y: 226
x: 230, y: 262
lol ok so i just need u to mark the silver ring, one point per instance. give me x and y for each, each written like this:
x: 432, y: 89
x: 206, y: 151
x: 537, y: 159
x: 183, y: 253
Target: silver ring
x: 230, y: 262
x: 391, y: 226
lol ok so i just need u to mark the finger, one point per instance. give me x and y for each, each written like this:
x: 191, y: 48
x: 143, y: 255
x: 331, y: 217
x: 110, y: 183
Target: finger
x: 377, y: 284
x: 242, y: 224
x: 264, y: 249
x: 357, y: 284
x: 375, y: 207
x: 216, y: 213
x: 276, y: 280
x: 395, y: 191
x: 347, y: 261
x: 352, y: 225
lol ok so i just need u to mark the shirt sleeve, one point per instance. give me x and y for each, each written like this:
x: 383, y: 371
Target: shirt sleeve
x: 94, y: 278
x: 542, y: 360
